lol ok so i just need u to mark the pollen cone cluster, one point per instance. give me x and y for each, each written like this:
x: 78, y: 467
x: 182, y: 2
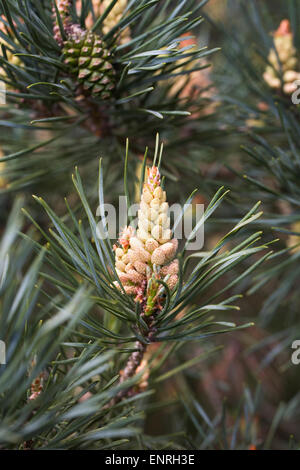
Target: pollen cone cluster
x: 85, y: 55
x: 89, y: 60
x: 11, y: 58
x: 113, y: 18
x: 286, y: 53
x: 146, y: 257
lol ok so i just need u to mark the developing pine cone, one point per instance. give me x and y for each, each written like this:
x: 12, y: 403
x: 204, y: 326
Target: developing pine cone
x: 86, y: 56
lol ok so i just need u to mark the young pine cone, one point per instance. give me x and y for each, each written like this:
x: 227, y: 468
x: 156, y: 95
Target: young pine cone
x: 85, y: 55
x: 89, y: 60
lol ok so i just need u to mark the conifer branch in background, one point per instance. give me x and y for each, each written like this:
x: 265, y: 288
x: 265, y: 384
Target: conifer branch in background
x: 104, y: 72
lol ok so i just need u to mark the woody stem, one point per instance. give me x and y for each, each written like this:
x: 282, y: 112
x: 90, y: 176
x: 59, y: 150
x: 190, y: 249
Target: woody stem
x: 134, y: 361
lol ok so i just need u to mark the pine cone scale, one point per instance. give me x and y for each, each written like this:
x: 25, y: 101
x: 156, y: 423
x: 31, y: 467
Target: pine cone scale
x: 90, y: 62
